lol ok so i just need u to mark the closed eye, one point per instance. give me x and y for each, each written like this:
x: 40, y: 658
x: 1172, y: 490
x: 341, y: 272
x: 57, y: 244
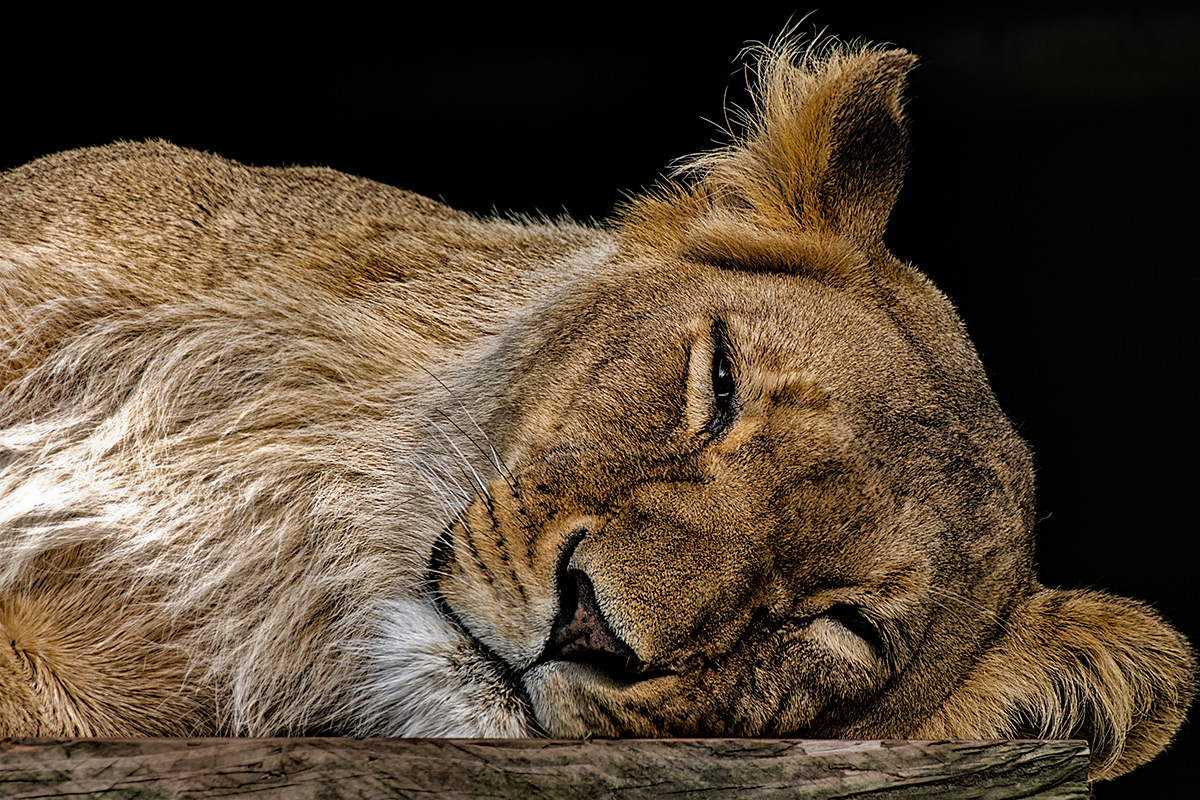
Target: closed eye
x: 854, y: 620
x: 724, y: 387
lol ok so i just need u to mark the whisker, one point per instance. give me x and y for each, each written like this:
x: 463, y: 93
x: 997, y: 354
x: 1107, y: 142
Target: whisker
x: 494, y: 458
x: 964, y: 602
x: 496, y: 461
x: 465, y: 461
x: 444, y: 479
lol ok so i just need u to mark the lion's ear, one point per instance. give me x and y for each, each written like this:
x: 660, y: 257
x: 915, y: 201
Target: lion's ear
x: 1078, y: 665
x: 825, y: 148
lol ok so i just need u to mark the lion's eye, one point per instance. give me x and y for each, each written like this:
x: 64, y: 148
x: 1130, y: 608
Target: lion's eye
x: 722, y: 376
x: 723, y: 386
x: 858, y: 623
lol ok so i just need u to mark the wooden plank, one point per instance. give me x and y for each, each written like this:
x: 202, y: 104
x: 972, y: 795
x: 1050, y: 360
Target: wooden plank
x: 532, y: 769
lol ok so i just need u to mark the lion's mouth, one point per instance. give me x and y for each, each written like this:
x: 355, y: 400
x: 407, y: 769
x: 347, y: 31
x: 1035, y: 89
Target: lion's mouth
x: 579, y: 633
x: 611, y: 660
x: 581, y: 650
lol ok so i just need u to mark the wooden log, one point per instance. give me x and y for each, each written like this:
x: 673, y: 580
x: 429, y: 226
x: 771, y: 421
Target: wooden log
x: 532, y: 769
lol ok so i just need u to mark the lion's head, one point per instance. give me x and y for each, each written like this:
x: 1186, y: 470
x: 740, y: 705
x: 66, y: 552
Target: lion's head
x: 752, y: 481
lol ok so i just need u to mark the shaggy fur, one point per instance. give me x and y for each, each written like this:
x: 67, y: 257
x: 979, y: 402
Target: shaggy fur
x: 285, y: 451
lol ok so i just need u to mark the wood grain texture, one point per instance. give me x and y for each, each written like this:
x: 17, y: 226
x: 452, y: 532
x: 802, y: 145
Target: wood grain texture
x: 532, y: 769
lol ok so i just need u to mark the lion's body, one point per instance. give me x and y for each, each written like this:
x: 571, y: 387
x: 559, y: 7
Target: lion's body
x: 209, y: 387
x: 287, y: 451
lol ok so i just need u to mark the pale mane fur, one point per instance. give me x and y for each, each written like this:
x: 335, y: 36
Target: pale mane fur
x: 285, y: 451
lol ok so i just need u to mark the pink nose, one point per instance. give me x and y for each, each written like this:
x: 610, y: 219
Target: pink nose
x: 581, y: 633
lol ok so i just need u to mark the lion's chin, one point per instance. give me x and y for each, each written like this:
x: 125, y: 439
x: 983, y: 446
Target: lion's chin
x: 576, y: 700
x: 428, y: 678
x: 557, y: 693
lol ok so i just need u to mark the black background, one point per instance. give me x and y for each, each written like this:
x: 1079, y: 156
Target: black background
x: 1051, y: 193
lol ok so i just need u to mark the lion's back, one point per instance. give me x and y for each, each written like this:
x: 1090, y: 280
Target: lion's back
x: 155, y: 222
x: 140, y: 224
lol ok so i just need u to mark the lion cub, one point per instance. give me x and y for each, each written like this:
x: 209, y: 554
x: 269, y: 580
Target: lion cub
x: 286, y: 451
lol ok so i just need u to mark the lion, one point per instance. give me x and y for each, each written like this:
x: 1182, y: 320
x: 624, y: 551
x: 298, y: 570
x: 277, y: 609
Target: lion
x: 290, y: 452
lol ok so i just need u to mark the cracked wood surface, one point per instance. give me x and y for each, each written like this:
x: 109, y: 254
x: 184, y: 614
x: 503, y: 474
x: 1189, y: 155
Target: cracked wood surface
x: 532, y: 769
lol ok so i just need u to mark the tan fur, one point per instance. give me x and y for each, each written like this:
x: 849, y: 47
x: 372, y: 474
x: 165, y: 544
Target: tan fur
x: 285, y: 451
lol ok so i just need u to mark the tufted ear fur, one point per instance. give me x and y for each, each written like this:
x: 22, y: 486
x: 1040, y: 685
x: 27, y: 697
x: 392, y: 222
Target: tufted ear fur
x: 825, y: 148
x: 810, y: 183
x: 1078, y: 665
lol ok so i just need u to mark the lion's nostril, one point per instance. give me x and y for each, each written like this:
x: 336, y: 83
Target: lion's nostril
x: 581, y: 633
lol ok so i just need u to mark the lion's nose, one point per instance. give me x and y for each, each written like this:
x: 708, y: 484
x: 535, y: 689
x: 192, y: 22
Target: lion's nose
x: 581, y: 633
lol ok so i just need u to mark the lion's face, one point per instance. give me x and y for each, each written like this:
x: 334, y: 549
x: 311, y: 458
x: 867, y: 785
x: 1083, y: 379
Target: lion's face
x: 750, y: 479
x: 726, y: 530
